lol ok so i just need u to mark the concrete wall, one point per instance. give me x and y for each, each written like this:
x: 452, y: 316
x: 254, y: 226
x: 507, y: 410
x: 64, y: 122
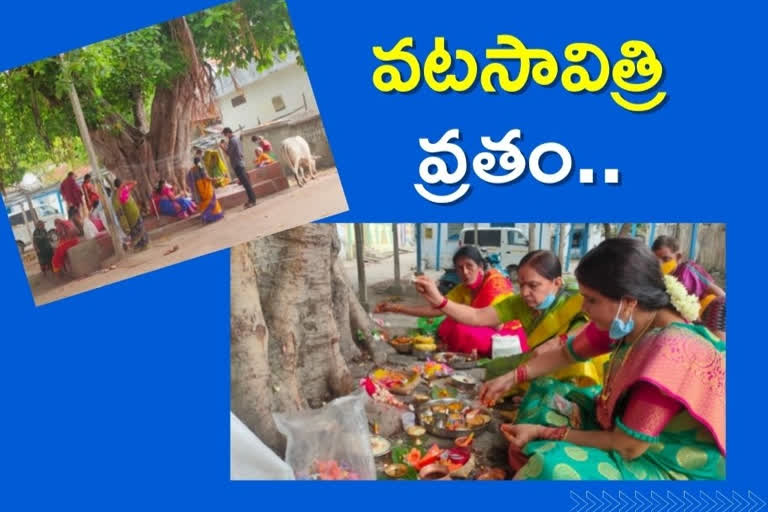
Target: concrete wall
x: 308, y: 125
x: 290, y: 83
x: 378, y: 239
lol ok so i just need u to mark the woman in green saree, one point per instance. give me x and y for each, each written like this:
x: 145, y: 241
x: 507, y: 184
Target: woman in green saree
x: 129, y: 214
x: 660, y: 414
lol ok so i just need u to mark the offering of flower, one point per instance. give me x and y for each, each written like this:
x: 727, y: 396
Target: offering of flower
x: 381, y: 394
x: 686, y: 304
x: 443, y: 392
x: 331, y: 470
x: 433, y: 369
x: 417, y: 461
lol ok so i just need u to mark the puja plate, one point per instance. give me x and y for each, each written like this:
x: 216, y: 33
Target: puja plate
x: 455, y: 360
x: 464, y: 381
x: 436, y: 416
x: 380, y: 446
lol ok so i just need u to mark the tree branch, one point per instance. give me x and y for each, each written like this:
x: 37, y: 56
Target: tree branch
x: 139, y: 110
x: 38, y: 119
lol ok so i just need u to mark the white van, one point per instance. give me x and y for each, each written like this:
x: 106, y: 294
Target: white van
x: 22, y: 234
x: 511, y: 244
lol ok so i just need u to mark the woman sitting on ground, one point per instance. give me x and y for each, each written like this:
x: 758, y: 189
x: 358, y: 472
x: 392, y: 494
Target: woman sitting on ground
x: 696, y: 280
x: 262, y: 158
x: 169, y: 204
x: 660, y: 414
x: 479, y: 287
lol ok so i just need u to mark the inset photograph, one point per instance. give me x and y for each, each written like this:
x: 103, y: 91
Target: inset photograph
x: 471, y: 351
x: 161, y: 145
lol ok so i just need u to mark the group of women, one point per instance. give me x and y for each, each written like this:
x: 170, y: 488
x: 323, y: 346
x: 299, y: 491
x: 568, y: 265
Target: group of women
x: 623, y: 381
x: 53, y: 256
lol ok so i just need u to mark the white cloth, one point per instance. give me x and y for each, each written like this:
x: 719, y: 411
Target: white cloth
x: 250, y: 459
x: 505, y: 345
x: 90, y: 229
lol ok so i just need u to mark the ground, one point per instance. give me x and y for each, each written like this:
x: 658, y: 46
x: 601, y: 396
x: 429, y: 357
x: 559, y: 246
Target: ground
x: 320, y: 198
x: 490, y: 447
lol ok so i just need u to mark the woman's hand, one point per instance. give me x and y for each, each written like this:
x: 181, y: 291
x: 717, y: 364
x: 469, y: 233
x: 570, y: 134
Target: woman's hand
x: 382, y: 307
x: 520, y: 435
x: 428, y: 289
x: 494, y: 389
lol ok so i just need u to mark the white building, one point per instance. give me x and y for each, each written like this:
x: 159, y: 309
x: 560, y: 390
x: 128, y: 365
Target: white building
x: 442, y: 240
x: 249, y: 98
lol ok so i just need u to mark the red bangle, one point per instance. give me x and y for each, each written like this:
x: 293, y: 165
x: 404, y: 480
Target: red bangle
x: 554, y: 434
x: 442, y: 304
x: 521, y: 374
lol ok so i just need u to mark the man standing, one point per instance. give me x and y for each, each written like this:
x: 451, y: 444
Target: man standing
x: 234, y: 150
x: 71, y: 192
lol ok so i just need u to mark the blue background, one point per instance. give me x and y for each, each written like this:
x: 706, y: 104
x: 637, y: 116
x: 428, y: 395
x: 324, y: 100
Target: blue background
x: 119, y: 398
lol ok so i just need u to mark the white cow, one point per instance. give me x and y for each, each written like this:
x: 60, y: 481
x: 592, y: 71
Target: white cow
x: 296, y: 153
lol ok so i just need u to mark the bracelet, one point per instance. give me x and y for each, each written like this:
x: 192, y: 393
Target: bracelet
x: 521, y: 374
x: 554, y: 434
x: 442, y: 304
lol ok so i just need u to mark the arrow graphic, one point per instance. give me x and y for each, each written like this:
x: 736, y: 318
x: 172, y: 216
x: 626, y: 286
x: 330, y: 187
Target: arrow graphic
x: 611, y: 500
x: 659, y: 501
x: 741, y: 503
x: 756, y: 502
x: 706, y: 499
x: 669, y: 502
x: 626, y: 501
x: 723, y: 501
x: 580, y: 503
x: 643, y: 499
x: 677, y: 503
x: 693, y: 503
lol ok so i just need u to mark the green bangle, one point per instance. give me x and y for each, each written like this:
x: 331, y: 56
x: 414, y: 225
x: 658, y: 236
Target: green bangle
x: 635, y: 434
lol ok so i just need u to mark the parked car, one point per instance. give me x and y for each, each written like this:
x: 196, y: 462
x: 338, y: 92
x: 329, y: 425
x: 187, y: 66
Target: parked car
x: 23, y: 233
x: 511, y: 244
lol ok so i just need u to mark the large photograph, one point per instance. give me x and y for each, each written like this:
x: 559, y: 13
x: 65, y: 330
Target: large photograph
x: 160, y: 145
x: 506, y: 351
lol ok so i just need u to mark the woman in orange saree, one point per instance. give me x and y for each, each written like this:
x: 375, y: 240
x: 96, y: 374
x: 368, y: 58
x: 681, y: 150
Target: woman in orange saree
x: 204, y: 192
x: 480, y: 287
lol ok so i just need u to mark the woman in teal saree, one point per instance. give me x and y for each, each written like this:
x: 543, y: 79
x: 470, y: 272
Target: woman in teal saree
x: 660, y: 414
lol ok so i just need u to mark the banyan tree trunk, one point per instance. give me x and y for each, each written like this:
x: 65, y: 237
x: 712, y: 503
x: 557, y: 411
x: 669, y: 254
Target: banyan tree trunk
x: 294, y: 324
x: 146, y: 154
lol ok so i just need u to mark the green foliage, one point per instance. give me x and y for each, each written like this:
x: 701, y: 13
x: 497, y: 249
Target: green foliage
x: 240, y: 32
x: 36, y: 120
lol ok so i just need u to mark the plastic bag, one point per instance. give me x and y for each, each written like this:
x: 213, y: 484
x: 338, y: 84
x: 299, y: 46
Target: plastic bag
x: 90, y: 229
x: 250, y: 459
x: 331, y: 443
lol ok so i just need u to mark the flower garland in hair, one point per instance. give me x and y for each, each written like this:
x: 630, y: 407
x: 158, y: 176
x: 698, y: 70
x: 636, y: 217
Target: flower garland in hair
x: 686, y: 304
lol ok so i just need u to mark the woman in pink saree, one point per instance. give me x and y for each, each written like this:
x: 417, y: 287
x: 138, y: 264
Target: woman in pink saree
x: 660, y: 414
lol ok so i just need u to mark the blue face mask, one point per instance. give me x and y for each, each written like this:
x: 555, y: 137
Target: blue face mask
x: 620, y: 328
x: 548, y: 300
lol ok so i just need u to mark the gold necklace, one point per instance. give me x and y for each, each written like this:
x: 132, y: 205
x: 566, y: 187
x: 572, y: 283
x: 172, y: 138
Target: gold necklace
x: 609, y: 374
